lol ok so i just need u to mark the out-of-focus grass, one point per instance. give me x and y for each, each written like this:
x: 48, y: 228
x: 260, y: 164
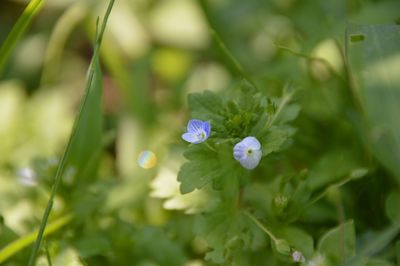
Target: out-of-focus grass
x: 18, y: 30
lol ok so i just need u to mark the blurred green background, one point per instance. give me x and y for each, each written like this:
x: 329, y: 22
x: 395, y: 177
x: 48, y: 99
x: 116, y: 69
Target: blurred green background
x: 154, y: 53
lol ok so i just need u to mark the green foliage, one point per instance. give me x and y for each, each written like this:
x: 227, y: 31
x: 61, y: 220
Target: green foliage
x: 373, y: 63
x: 202, y: 170
x: 324, y: 111
x: 227, y: 232
x: 83, y: 144
x: 339, y: 244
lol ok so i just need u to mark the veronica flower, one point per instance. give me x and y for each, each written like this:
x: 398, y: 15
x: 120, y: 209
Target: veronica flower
x: 248, y: 152
x: 197, y: 131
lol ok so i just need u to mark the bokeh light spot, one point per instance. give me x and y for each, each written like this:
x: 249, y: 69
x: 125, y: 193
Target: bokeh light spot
x: 147, y: 159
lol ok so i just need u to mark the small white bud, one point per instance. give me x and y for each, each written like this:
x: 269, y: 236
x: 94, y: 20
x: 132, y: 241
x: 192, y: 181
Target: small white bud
x: 298, y: 256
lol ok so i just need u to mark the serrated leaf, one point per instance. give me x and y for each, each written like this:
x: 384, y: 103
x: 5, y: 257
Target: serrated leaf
x: 205, y: 106
x: 226, y: 231
x: 202, y: 168
x: 339, y: 243
x: 275, y: 139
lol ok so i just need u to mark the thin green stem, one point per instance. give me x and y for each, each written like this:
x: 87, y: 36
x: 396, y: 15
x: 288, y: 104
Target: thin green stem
x: 326, y: 191
x: 312, y: 58
x: 287, y: 97
x: 211, y: 148
x: 261, y: 226
x: 46, y: 247
x: 61, y: 168
x: 231, y: 60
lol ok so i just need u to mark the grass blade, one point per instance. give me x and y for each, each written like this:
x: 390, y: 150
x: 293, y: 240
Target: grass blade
x: 18, y: 30
x: 82, y: 143
x: 23, y: 242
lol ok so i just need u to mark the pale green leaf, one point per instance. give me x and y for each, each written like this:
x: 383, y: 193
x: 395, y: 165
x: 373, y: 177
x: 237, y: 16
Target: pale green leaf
x: 374, y: 59
x: 339, y: 243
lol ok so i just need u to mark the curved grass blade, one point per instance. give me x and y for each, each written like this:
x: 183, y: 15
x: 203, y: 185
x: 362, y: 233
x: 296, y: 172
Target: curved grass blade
x: 24, y: 241
x: 18, y: 30
x: 86, y: 135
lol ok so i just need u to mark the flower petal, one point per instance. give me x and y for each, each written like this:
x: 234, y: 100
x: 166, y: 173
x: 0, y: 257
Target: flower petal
x: 248, y: 152
x: 195, y: 126
x: 239, y: 151
x: 207, y: 128
x: 252, y: 143
x: 190, y: 137
x: 251, y: 161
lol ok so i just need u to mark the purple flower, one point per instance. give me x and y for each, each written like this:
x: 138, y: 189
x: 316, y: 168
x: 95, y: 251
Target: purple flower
x: 197, y: 131
x: 248, y: 152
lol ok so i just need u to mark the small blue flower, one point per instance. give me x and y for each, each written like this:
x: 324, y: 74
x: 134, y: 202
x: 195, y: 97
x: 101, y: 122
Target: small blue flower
x: 248, y: 152
x: 197, y: 131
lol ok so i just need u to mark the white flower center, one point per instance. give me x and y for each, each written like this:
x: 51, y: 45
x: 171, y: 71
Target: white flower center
x: 249, y: 152
x: 201, y: 135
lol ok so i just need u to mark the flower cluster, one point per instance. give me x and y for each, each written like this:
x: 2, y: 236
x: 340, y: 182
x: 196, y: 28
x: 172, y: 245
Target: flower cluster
x: 247, y: 152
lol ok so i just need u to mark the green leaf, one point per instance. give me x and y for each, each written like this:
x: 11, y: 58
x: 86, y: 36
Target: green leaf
x: 297, y: 239
x: 276, y: 139
x: 226, y: 231
x: 26, y: 240
x: 202, y: 168
x: 332, y: 167
x: 339, y: 243
x: 86, y: 142
x: 289, y: 113
x: 374, y: 61
x: 375, y: 242
x: 18, y: 30
x: 205, y: 106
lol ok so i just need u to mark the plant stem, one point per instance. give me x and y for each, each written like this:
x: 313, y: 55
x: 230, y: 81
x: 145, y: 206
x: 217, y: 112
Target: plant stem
x: 232, y: 61
x: 261, y: 226
x: 284, y: 101
x: 211, y: 148
x: 48, y: 254
x: 323, y: 193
